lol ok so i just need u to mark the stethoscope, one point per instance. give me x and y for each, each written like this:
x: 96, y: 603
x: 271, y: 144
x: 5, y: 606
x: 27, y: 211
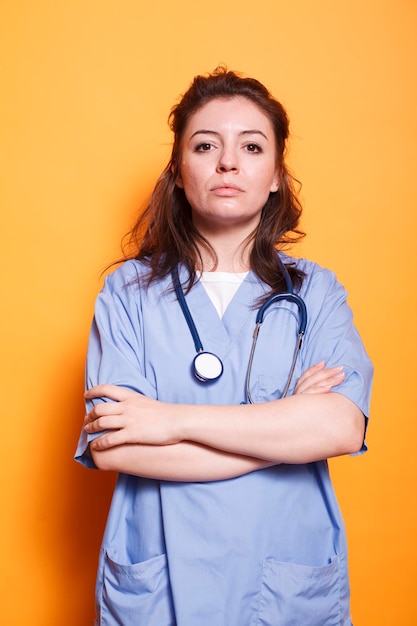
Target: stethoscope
x: 208, y: 367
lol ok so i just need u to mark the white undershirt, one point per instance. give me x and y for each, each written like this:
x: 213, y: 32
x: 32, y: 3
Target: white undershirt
x: 221, y: 287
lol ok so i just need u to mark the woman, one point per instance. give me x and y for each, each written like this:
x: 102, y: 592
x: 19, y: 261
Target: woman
x: 223, y: 513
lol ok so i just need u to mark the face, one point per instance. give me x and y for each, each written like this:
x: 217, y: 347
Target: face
x: 228, y: 164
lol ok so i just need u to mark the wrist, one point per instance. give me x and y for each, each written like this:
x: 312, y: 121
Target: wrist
x: 180, y: 422
x: 189, y: 421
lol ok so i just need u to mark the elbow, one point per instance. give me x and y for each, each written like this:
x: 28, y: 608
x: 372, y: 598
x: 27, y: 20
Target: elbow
x: 102, y: 459
x: 349, y: 427
x: 355, y: 432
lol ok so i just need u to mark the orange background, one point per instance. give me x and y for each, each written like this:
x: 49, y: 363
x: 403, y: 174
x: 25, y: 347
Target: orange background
x: 86, y: 90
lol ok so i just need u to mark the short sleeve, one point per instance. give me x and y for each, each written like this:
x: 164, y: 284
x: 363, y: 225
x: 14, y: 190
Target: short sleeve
x: 332, y: 337
x: 115, y: 347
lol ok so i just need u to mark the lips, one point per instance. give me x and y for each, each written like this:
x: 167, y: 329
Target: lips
x: 227, y: 189
x: 224, y: 185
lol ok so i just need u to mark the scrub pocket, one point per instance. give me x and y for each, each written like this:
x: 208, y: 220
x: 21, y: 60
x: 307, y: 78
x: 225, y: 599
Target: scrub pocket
x: 292, y: 595
x: 136, y: 595
x: 271, y: 387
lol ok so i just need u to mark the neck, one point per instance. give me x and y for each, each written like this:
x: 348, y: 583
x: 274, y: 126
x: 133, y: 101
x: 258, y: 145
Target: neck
x: 231, y: 249
x: 229, y: 257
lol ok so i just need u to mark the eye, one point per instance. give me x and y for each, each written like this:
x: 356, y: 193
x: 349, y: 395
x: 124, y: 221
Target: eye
x: 253, y: 147
x: 204, y: 146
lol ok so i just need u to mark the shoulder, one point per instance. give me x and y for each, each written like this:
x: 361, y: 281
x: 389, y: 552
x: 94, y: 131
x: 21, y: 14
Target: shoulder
x: 317, y: 279
x: 127, y: 279
x: 128, y: 273
x: 129, y: 283
x: 121, y: 287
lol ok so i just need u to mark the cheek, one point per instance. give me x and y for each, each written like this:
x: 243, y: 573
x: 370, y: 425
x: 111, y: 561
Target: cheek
x: 263, y: 183
x: 191, y: 181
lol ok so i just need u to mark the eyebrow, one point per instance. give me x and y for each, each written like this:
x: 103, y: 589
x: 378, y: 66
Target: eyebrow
x: 243, y: 132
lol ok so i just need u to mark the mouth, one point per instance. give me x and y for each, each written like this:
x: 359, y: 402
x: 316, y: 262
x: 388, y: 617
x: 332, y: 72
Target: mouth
x: 226, y: 185
x: 227, y: 189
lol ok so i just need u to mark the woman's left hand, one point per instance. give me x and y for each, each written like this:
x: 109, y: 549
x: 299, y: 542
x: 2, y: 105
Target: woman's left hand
x: 131, y: 419
x: 319, y: 379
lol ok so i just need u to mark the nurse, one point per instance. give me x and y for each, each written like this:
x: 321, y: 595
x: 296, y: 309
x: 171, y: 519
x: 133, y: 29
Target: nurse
x: 223, y: 513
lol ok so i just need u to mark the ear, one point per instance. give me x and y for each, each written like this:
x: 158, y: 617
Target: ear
x: 178, y: 179
x: 275, y: 184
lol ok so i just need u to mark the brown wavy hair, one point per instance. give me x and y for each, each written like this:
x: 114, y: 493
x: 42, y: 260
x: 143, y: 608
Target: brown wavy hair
x: 164, y: 235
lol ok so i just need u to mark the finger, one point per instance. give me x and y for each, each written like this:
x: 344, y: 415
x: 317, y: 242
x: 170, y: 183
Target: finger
x: 329, y: 377
x: 109, y: 440
x: 113, y: 392
x: 107, y: 422
x: 104, y: 408
x: 318, y: 389
x: 322, y: 375
x: 311, y: 371
x: 325, y: 381
x: 333, y: 376
x: 309, y: 376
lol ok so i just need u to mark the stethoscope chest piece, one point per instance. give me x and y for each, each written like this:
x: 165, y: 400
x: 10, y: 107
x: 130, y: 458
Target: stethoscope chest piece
x: 207, y: 367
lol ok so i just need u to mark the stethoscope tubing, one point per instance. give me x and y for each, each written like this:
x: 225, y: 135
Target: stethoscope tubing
x: 288, y: 295
x: 292, y: 297
x: 186, y: 311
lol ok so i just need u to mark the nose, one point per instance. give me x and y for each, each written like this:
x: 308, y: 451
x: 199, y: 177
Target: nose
x: 228, y: 161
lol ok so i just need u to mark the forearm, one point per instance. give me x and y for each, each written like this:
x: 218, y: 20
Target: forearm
x: 302, y: 428
x: 297, y: 429
x: 181, y: 462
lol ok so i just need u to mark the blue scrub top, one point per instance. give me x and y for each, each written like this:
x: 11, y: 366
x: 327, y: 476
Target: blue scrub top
x: 264, y: 549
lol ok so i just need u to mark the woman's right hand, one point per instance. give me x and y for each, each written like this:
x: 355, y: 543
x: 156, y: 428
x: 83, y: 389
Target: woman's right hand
x: 319, y: 379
